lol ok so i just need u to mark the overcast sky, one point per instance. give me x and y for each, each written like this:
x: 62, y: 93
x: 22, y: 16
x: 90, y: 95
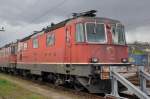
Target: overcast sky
x: 21, y: 17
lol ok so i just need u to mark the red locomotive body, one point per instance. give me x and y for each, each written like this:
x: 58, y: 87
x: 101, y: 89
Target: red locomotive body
x: 40, y: 52
x: 65, y: 49
x: 8, y: 57
x: 76, y: 51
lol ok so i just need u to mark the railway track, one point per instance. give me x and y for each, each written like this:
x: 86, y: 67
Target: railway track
x: 60, y: 89
x: 81, y: 94
x: 71, y: 91
x: 85, y: 95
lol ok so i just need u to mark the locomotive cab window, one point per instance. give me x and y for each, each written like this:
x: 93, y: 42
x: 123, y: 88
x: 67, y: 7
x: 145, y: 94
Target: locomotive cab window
x: 121, y: 34
x: 50, y: 39
x: 95, y: 33
x: 79, y: 32
x: 114, y: 34
x: 118, y: 34
x: 35, y: 43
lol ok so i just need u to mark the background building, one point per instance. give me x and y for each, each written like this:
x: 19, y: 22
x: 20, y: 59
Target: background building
x: 140, y: 48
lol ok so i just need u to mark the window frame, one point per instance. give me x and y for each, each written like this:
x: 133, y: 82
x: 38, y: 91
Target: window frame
x: 106, y: 38
x: 67, y: 36
x: 34, y: 42
x: 113, y: 37
x: 52, y: 34
x: 84, y: 38
x: 124, y: 36
x: 25, y: 45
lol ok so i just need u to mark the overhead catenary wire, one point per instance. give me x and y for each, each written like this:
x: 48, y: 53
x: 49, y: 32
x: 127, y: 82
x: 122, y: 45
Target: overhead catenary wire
x: 58, y: 5
x: 50, y: 10
x: 53, y: 8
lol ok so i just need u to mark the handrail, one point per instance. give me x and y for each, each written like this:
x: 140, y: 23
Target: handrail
x: 145, y: 75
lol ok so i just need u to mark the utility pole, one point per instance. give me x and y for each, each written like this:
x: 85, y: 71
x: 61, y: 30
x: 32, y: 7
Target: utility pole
x: 2, y: 29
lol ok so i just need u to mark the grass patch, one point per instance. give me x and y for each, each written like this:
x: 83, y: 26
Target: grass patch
x: 10, y: 90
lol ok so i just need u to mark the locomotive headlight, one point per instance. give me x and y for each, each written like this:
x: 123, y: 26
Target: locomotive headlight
x: 124, y: 60
x: 94, y: 60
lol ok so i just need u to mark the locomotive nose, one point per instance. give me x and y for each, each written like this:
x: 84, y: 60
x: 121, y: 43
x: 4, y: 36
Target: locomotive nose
x: 111, y: 53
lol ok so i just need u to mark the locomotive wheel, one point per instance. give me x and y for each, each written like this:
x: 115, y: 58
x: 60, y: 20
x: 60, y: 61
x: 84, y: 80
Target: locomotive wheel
x: 58, y: 82
x: 78, y: 87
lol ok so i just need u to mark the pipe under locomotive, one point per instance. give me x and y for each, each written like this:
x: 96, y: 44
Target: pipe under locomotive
x: 78, y: 51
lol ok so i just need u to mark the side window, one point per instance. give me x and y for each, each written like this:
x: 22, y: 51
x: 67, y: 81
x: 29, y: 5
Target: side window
x: 114, y: 34
x: 35, y: 43
x: 67, y: 36
x: 12, y: 49
x: 79, y: 32
x: 50, y: 39
x: 25, y: 46
x: 20, y: 46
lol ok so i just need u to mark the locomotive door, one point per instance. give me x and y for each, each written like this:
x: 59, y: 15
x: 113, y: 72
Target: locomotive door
x: 68, y: 45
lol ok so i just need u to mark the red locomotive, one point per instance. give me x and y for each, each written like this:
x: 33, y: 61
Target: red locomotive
x: 78, y: 51
x: 8, y: 57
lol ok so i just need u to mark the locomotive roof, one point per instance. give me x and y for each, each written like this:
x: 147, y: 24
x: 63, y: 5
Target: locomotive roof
x: 47, y: 29
x: 26, y: 38
x: 63, y: 23
x: 98, y: 19
x: 8, y: 45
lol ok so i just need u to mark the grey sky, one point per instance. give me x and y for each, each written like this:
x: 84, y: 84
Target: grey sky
x: 21, y: 17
